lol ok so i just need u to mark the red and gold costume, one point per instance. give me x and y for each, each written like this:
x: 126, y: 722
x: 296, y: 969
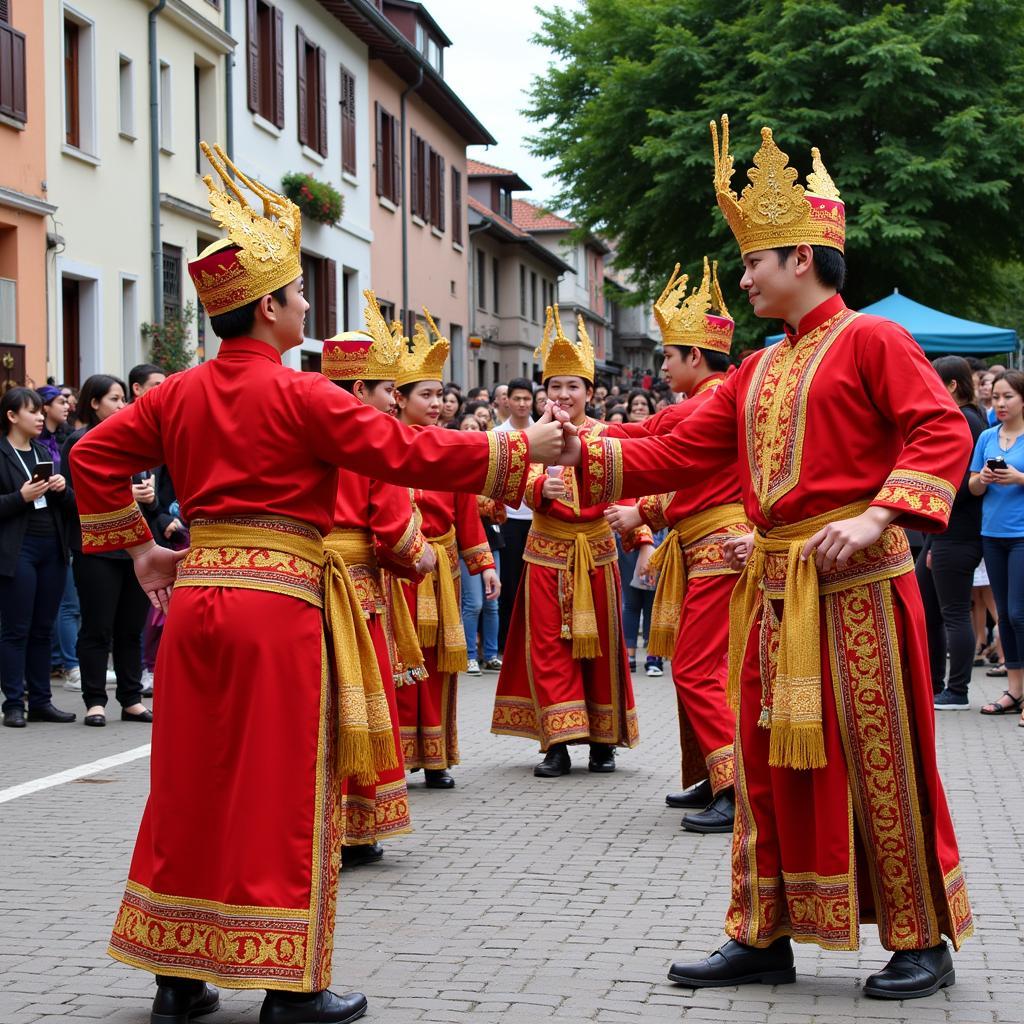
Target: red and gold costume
x: 840, y: 813
x: 234, y: 875
x: 565, y: 676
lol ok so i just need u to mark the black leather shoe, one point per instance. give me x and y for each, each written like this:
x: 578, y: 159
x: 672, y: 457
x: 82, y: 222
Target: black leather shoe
x: 179, y: 1000
x: 556, y: 762
x: 697, y: 797
x: 97, y: 721
x: 913, y: 973
x: 312, y: 1008
x: 353, y: 856
x: 736, y: 964
x: 48, y: 713
x: 436, y: 778
x: 15, y: 718
x: 142, y: 716
x: 602, y: 757
x: 718, y: 816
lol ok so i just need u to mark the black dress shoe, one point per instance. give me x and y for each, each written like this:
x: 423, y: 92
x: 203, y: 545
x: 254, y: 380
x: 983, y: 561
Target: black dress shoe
x: 179, y: 1000
x: 141, y: 716
x: 602, y: 757
x: 736, y: 964
x: 48, y: 713
x: 15, y: 718
x: 312, y: 1008
x: 697, y: 797
x: 436, y: 778
x: 97, y: 721
x: 353, y: 856
x: 718, y: 816
x: 913, y: 973
x: 556, y: 762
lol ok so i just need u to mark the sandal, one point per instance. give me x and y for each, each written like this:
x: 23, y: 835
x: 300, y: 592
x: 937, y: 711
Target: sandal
x: 997, y: 670
x: 1016, y: 704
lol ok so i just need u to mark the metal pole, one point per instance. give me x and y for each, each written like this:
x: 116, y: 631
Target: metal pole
x: 157, y: 254
x: 405, y: 211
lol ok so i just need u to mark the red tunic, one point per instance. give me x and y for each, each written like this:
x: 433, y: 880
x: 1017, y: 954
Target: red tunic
x: 243, y: 748
x: 845, y: 410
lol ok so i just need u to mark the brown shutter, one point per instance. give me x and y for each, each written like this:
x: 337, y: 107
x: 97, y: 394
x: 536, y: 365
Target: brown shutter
x: 348, y: 121
x: 427, y: 212
x: 440, y: 193
x: 12, y: 73
x: 301, y: 84
x: 278, y: 67
x: 331, y: 297
x: 378, y: 117
x: 252, y: 32
x: 5, y: 11
x: 415, y: 172
x: 456, y: 206
x: 396, y: 161
x: 321, y: 89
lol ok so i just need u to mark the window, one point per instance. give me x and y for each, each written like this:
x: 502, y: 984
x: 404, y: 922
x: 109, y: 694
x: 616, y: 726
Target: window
x: 435, y: 190
x: 387, y: 309
x: 350, y: 318
x: 389, y: 159
x: 456, y: 207
x: 481, y: 280
x: 264, y: 25
x: 126, y: 96
x: 204, y: 107
x: 348, y: 121
x: 131, y: 351
x: 310, y: 362
x: 505, y: 203
x: 166, y: 136
x: 71, y: 323
x: 434, y: 55
x: 320, y: 284
x: 533, y: 296
x: 172, y: 280
x: 495, y: 302
x: 72, y: 73
x: 522, y: 290
x: 311, y: 76
x: 419, y: 176
x: 12, y: 69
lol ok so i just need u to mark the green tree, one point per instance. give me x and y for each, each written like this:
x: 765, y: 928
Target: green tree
x: 917, y: 107
x: 169, y: 343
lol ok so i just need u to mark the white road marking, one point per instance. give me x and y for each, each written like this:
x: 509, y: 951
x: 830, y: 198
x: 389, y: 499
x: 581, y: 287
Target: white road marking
x: 58, y: 779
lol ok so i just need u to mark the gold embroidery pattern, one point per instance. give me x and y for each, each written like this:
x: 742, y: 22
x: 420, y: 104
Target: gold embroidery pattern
x: 252, y: 569
x: 386, y: 814
x: 706, y: 557
x: 743, y: 920
x: 434, y: 746
x: 478, y: 558
x: 602, y: 470
x: 412, y: 544
x: 721, y: 765
x: 509, y: 454
x: 919, y: 493
x: 109, y: 531
x: 368, y: 589
x: 959, y: 907
x: 555, y: 552
x: 654, y: 508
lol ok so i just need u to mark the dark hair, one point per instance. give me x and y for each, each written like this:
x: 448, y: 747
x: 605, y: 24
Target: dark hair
x: 956, y: 368
x: 1015, y: 378
x: 520, y: 384
x: 474, y: 393
x: 716, y: 362
x: 640, y: 393
x: 93, y: 390
x: 238, y: 322
x: 140, y: 374
x: 407, y: 389
x: 829, y: 264
x: 977, y: 365
x: 15, y: 400
x: 471, y: 408
x: 616, y: 410
x: 349, y: 385
x: 459, y: 420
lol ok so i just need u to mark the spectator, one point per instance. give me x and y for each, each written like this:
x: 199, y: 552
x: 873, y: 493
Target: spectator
x: 640, y: 405
x: 997, y: 475
x: 33, y: 557
x: 477, y: 395
x: 616, y: 414
x: 985, y: 396
x: 638, y: 601
x: 469, y: 421
x: 600, y: 394
x: 479, y: 612
x: 648, y: 380
x: 114, y: 606
x: 451, y: 404
x: 945, y: 568
x: 482, y: 412
x: 143, y: 377
x: 499, y: 402
x: 71, y: 394
x: 540, y: 401
x: 983, y: 606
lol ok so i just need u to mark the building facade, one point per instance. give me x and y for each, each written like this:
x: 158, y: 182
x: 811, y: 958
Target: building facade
x: 635, y: 340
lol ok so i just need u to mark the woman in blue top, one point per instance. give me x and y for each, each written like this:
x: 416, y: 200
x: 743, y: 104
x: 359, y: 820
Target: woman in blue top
x: 997, y: 473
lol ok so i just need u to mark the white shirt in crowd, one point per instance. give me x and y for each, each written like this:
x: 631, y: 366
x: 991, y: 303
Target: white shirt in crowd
x: 523, y: 512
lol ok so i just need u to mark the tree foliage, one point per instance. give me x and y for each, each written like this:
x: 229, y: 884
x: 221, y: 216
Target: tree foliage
x: 170, y: 342
x: 917, y: 107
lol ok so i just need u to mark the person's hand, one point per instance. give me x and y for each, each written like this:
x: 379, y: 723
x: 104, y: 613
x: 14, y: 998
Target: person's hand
x: 492, y: 585
x: 156, y: 569
x: 30, y: 491
x: 553, y: 488
x: 427, y: 562
x: 144, y: 493
x: 987, y: 476
x: 1007, y: 476
x: 572, y: 449
x: 545, y: 437
x: 172, y: 528
x: 623, y: 518
x: 736, y: 551
x: 57, y: 483
x: 837, y: 543
x: 643, y: 563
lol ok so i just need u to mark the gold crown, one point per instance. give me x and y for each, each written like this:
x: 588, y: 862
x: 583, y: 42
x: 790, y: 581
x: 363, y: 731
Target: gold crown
x: 372, y: 354
x: 421, y: 359
x: 700, y: 318
x: 260, y: 253
x: 561, y: 357
x: 773, y: 210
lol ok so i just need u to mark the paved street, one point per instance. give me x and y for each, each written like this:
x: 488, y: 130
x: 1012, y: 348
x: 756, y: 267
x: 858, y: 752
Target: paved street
x: 517, y: 899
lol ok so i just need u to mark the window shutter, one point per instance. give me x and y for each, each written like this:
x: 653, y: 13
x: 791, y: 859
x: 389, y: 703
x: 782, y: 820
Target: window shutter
x: 321, y: 89
x: 348, y: 122
x: 397, y: 184
x: 440, y: 194
x: 252, y: 54
x: 278, y: 67
x: 379, y: 121
x: 302, y: 84
x: 427, y: 212
x: 5, y: 11
x: 331, y: 297
x: 456, y: 206
x: 414, y: 173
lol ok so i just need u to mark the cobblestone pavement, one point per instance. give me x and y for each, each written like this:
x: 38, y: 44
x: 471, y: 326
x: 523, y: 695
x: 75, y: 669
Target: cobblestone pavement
x: 517, y: 899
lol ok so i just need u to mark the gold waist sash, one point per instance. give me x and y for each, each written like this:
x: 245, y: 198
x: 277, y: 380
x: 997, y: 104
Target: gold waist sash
x: 576, y: 548
x: 793, y: 712
x: 357, y: 551
x: 669, y: 558
x: 438, y: 615
x: 285, y: 556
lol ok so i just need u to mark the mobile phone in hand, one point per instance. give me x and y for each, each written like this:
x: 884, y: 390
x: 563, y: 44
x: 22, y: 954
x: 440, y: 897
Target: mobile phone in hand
x: 43, y: 471
x: 997, y: 463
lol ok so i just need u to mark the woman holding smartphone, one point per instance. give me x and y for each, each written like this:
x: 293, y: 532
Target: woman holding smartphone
x: 33, y: 559
x: 997, y: 475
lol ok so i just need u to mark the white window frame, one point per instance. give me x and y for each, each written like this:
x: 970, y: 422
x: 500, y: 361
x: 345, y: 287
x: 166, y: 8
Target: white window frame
x: 126, y: 97
x: 88, y: 138
x: 166, y: 108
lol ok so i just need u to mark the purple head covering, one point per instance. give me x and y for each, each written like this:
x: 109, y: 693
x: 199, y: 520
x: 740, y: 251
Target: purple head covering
x: 47, y: 393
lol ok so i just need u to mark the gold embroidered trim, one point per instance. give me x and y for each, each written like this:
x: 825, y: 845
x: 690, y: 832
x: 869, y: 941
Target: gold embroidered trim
x: 111, y: 531
x: 918, y: 493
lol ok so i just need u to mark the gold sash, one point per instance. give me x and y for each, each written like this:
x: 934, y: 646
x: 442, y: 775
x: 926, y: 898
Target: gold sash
x: 668, y: 557
x: 285, y: 556
x: 794, y: 713
x: 438, y: 615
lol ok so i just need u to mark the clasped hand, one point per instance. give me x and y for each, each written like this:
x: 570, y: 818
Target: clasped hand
x: 834, y: 545
x: 554, y: 441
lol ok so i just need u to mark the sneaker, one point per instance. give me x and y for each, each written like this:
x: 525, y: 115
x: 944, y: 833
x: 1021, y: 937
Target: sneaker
x: 473, y: 668
x: 653, y: 667
x: 632, y: 664
x: 492, y: 665
x: 147, y: 682
x: 949, y: 701
x: 73, y: 679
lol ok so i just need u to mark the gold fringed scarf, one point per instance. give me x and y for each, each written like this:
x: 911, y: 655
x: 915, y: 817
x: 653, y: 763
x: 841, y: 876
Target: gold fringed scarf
x: 285, y: 556
x: 407, y: 645
x: 438, y: 615
x: 669, y: 560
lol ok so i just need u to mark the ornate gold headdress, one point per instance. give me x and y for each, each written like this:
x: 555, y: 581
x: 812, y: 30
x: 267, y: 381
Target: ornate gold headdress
x: 700, y: 318
x: 372, y: 354
x: 260, y: 253
x: 773, y: 210
x: 421, y: 359
x: 561, y: 357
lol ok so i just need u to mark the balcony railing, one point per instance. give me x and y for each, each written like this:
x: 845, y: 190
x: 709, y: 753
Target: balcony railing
x: 12, y: 74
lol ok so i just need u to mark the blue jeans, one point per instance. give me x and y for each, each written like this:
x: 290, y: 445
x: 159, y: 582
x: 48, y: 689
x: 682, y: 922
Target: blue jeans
x: 65, y: 629
x: 635, y: 602
x: 1004, y: 559
x: 28, y: 606
x: 473, y: 607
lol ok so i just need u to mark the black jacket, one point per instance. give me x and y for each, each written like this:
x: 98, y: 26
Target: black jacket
x: 14, y: 509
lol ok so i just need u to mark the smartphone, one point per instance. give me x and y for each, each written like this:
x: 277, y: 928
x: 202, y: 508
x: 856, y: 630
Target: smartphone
x: 43, y: 471
x: 999, y: 463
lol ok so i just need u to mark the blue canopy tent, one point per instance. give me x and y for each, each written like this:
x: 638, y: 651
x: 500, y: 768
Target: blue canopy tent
x: 938, y: 332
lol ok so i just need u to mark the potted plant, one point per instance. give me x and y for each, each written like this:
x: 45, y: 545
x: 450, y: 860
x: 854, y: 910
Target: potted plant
x: 318, y: 200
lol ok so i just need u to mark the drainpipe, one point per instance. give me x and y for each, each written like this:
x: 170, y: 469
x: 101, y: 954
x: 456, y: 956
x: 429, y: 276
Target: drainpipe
x: 405, y: 206
x: 229, y: 87
x: 157, y: 254
x: 470, y: 287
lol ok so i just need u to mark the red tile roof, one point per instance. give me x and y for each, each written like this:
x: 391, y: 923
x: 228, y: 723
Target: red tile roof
x: 482, y: 208
x: 478, y: 167
x: 534, y: 218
